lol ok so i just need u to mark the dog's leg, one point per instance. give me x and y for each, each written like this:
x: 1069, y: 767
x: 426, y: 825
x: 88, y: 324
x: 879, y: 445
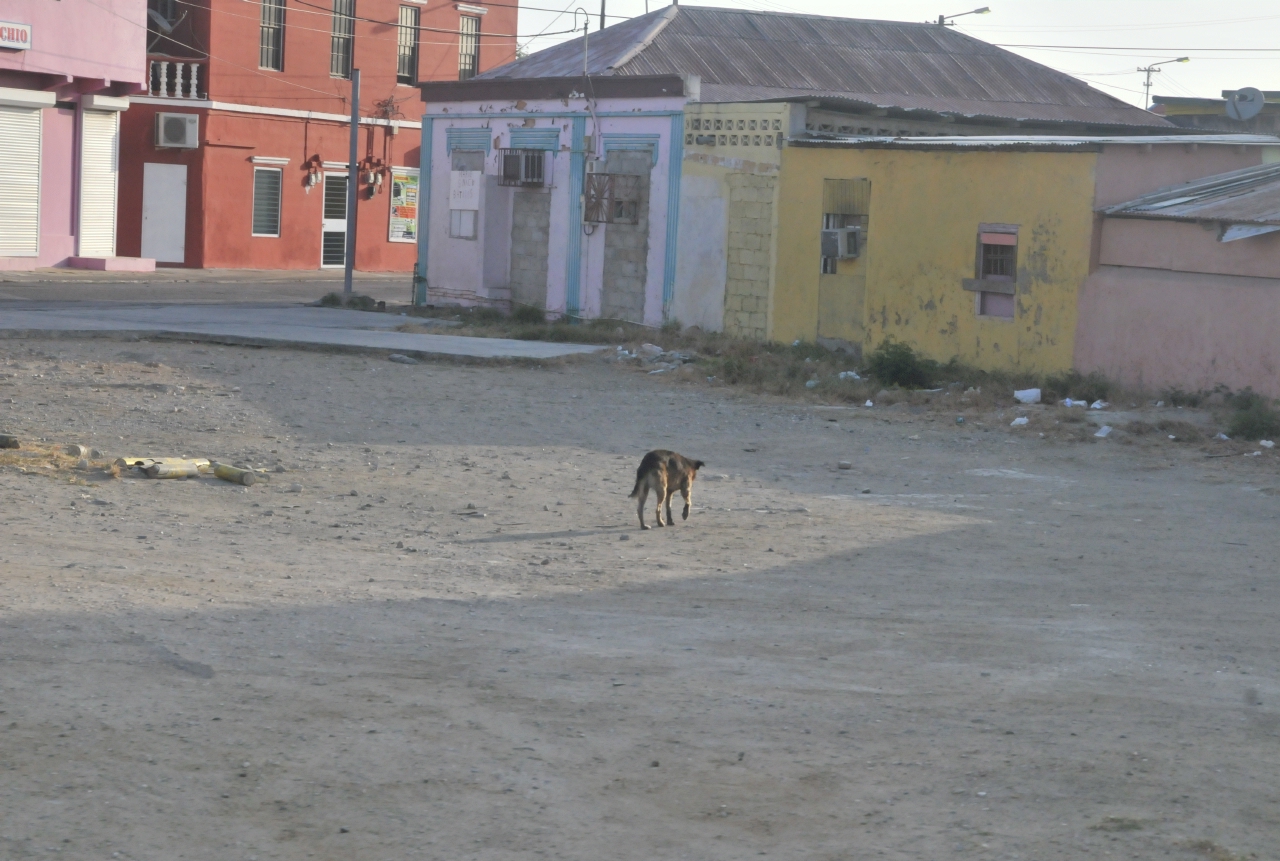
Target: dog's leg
x: 662, y: 498
x: 687, y: 493
x: 644, y: 495
x: 671, y: 520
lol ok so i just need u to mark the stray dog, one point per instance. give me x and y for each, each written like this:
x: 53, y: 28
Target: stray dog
x: 665, y: 472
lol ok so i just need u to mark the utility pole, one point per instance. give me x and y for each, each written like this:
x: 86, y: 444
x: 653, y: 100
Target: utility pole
x: 353, y: 180
x: 1151, y: 70
x: 601, y: 14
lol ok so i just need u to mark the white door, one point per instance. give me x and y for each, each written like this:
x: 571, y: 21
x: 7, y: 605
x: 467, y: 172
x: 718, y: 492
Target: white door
x: 333, y: 229
x: 19, y: 182
x: 164, y: 212
x: 99, y: 170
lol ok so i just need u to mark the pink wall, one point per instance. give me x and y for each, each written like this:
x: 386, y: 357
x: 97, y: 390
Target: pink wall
x: 103, y: 41
x: 1125, y: 171
x: 1157, y: 329
x: 1186, y: 247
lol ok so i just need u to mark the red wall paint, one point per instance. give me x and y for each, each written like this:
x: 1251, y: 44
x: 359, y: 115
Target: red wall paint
x: 220, y: 172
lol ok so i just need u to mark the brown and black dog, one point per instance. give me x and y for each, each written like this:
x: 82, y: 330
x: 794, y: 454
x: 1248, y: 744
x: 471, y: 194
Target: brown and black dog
x: 665, y: 472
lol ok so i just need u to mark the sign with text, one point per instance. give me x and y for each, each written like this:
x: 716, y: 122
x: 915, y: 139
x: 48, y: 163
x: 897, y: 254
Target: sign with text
x: 404, y: 205
x: 16, y: 36
x: 464, y: 189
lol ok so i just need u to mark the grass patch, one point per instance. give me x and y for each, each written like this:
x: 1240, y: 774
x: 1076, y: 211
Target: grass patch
x: 354, y: 302
x: 51, y: 461
x: 896, y: 364
x: 1077, y: 386
x: 1254, y: 417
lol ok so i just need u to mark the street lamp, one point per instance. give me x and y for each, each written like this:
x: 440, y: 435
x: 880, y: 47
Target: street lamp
x: 945, y: 20
x: 1152, y: 69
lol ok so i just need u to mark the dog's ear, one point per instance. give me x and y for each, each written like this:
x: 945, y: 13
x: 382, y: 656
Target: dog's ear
x: 697, y: 465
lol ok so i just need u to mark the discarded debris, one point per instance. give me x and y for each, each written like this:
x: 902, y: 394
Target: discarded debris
x: 1103, y: 432
x: 165, y: 467
x: 811, y: 384
x: 1220, y: 435
x: 235, y: 475
x: 1067, y: 402
x: 75, y: 450
x: 1099, y: 405
x: 868, y: 404
x: 1027, y: 396
x: 8, y: 441
x: 844, y: 464
x: 649, y: 351
x: 1019, y: 422
x: 1266, y: 443
x: 848, y: 375
x: 401, y: 359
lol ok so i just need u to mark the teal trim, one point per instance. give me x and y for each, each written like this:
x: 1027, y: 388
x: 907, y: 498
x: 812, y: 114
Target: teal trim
x: 633, y: 142
x: 468, y: 139
x: 424, y: 213
x: 675, y: 167
x: 573, y: 259
x: 547, y: 139
x: 506, y: 115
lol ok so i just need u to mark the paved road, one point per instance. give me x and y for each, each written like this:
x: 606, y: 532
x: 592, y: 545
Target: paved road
x: 196, y: 286
x: 266, y: 325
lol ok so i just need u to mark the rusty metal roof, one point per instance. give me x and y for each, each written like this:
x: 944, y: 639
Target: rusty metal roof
x: 744, y: 55
x: 1248, y: 196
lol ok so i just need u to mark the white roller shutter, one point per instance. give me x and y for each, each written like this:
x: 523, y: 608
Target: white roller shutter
x: 19, y: 182
x: 99, y: 171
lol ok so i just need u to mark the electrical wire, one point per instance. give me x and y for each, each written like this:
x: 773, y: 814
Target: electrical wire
x: 323, y: 11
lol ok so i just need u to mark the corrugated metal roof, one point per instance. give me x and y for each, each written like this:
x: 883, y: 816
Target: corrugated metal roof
x: 1249, y: 196
x: 761, y: 56
x: 987, y: 141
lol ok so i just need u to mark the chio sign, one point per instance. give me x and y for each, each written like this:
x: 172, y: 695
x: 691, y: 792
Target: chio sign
x: 15, y: 35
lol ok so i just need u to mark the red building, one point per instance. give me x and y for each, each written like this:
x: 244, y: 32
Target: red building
x: 237, y: 156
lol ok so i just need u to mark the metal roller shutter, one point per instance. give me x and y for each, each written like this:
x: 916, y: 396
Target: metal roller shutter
x: 20, y: 181
x: 99, y: 167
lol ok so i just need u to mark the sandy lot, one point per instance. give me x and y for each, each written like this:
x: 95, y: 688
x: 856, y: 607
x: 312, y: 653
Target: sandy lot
x: 453, y: 642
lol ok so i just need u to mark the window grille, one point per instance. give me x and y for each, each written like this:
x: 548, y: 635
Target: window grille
x: 271, y: 36
x: 266, y: 201
x: 846, y: 203
x: 343, y: 38
x: 523, y: 167
x: 611, y: 198
x: 999, y: 261
x: 407, y: 46
x: 468, y: 47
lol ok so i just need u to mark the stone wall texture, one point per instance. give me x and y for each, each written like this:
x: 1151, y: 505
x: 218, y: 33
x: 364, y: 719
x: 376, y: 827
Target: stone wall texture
x: 530, y: 231
x: 746, y: 291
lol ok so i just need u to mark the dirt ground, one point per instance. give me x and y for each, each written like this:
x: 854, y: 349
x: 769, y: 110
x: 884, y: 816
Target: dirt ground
x: 440, y: 634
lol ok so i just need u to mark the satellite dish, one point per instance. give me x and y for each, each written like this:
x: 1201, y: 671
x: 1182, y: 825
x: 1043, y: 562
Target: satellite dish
x: 1245, y: 103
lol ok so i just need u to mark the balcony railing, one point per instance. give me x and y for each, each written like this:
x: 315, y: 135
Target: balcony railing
x: 177, y: 79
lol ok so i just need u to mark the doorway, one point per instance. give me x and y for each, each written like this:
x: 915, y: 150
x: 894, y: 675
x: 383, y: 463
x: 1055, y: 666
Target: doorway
x: 333, y: 228
x: 164, y: 212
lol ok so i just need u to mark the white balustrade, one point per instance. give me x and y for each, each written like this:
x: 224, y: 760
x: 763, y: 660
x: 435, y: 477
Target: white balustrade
x: 172, y: 79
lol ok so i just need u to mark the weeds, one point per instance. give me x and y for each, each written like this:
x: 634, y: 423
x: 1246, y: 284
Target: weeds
x: 896, y: 364
x: 1073, y: 384
x: 1254, y: 418
x: 1178, y: 398
x: 354, y: 302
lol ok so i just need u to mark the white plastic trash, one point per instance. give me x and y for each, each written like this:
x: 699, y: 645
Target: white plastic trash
x: 1019, y: 422
x: 848, y: 375
x: 1099, y: 405
x: 1067, y: 402
x: 1266, y: 443
x: 811, y: 384
x: 1220, y: 435
x: 1103, y: 431
x: 868, y: 404
x: 1027, y: 396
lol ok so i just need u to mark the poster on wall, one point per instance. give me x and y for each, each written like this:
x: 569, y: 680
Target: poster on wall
x: 404, y: 205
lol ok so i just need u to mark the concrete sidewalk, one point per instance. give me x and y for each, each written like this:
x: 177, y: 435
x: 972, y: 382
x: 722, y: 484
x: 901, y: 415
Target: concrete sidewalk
x: 265, y: 325
x: 198, y: 286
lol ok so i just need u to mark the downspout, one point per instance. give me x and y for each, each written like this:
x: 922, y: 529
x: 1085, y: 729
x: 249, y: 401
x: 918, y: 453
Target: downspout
x: 424, y: 213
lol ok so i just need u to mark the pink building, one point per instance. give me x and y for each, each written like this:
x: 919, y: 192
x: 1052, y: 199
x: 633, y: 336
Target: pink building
x: 66, y: 71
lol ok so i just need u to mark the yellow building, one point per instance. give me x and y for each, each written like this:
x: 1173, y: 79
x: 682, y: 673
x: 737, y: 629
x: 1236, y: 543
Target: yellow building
x: 972, y: 248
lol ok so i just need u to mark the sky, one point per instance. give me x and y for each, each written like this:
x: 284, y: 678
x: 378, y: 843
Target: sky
x: 1231, y: 44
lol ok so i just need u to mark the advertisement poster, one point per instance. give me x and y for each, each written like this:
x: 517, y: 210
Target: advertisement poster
x: 404, y: 205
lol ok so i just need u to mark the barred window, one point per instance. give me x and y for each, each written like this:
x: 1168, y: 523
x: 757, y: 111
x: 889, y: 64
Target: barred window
x: 266, y: 201
x: 407, y: 46
x: 468, y: 47
x: 343, y: 38
x: 271, y: 36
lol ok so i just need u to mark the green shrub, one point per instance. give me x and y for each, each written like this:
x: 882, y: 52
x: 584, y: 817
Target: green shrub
x: 1179, y: 398
x: 361, y: 303
x: 896, y: 364
x: 1076, y: 386
x: 331, y: 300
x: 1256, y: 421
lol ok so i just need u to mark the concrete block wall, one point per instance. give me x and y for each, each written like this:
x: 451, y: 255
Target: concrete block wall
x: 746, y: 293
x: 530, y: 233
x: 626, y: 246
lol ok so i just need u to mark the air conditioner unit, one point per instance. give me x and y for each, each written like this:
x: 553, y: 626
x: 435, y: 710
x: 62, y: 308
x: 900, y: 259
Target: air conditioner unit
x: 595, y: 165
x: 842, y: 243
x: 178, y: 131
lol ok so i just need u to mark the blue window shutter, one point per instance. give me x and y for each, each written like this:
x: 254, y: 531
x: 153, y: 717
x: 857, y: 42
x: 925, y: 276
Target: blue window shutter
x: 468, y: 139
x: 545, y: 139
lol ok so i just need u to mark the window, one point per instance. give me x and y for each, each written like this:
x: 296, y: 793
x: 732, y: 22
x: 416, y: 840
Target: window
x: 407, y: 46
x: 462, y: 223
x: 846, y: 205
x: 341, y: 42
x: 468, y: 47
x: 524, y: 167
x: 266, y: 201
x: 611, y: 198
x: 996, y: 270
x: 271, y: 36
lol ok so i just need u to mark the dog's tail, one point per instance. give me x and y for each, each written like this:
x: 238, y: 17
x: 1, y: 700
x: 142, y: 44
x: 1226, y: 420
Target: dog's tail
x: 635, y: 491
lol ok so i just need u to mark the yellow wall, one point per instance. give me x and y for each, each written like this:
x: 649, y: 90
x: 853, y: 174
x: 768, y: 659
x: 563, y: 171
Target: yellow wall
x: 922, y: 242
